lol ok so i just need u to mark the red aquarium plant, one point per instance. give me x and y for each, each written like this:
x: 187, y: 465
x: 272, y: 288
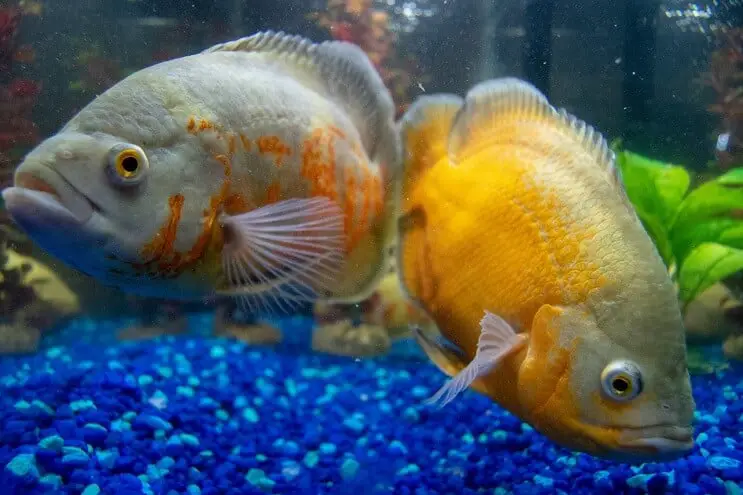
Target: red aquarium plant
x: 17, y: 95
x: 726, y: 78
x: 358, y: 22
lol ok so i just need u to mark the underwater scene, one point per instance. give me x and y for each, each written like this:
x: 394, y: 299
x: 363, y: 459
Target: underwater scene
x: 371, y: 246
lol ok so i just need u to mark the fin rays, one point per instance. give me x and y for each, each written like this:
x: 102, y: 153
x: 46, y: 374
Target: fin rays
x: 283, y: 254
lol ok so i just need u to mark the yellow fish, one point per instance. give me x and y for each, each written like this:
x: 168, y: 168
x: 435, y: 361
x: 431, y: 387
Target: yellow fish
x: 517, y: 238
x: 263, y: 168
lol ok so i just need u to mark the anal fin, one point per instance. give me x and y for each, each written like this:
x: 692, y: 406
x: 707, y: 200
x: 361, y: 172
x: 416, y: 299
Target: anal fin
x: 445, y: 355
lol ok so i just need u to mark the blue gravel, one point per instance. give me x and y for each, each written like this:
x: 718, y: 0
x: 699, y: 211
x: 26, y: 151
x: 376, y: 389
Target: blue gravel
x: 197, y: 416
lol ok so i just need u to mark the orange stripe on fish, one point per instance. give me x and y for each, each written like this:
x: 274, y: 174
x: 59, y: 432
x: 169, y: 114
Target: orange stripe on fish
x: 245, y: 142
x: 232, y: 146
x: 161, y: 245
x: 273, y: 145
x: 161, y: 259
x: 273, y: 193
x: 319, y: 166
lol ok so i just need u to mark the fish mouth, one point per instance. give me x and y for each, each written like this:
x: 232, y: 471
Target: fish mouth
x: 660, y: 441
x: 46, y: 198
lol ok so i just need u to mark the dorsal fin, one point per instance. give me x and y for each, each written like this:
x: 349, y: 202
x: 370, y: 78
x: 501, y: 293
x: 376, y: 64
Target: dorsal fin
x: 340, y: 71
x: 509, y: 109
x: 424, y: 130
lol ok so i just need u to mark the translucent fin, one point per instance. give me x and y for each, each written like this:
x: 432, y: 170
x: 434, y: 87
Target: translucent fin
x: 444, y: 354
x: 343, y: 73
x: 497, y: 340
x: 425, y: 129
x: 282, y: 254
x: 512, y: 110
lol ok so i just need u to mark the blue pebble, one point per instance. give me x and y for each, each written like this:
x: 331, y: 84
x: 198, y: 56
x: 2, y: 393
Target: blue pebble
x: 42, y: 407
x: 54, y: 442
x: 411, y: 414
x: 155, y: 473
x: 76, y: 459
x: 354, y: 423
x: 193, y: 490
x: 53, y: 480
x: 145, y: 380
x: 82, y: 405
x: 166, y: 463
x: 152, y: 422
x: 311, y: 459
x: 189, y: 439
x: 54, y: 352
x: 217, y: 352
x: 639, y: 480
x: 250, y: 415
x: 164, y: 371
x: 398, y: 448
x: 23, y: 465
x: 544, y: 481
x: 409, y: 469
x: 107, y: 458
x: 349, y: 468
x: 420, y: 392
x: 185, y: 391
x: 91, y: 490
x: 328, y: 448
x: 721, y: 462
x: 257, y: 477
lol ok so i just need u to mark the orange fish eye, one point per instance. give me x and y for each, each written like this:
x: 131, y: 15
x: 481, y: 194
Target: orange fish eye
x: 127, y: 164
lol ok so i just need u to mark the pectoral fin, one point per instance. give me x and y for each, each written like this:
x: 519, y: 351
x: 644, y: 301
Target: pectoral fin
x: 497, y: 340
x: 288, y: 250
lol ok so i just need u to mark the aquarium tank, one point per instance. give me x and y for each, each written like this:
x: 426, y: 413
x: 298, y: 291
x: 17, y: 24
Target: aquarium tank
x: 371, y: 246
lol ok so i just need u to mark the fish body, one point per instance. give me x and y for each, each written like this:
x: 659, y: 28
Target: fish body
x: 517, y: 238
x: 260, y: 164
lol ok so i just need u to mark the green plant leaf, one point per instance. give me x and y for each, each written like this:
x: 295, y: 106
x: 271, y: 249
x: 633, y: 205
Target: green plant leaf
x: 706, y: 265
x: 713, y: 212
x: 726, y: 231
x: 656, y: 189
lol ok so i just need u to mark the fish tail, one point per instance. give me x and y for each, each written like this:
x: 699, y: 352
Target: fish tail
x: 424, y: 130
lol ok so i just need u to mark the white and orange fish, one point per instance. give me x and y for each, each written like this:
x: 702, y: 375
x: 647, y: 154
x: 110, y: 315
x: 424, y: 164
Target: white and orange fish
x: 263, y: 167
x: 517, y: 238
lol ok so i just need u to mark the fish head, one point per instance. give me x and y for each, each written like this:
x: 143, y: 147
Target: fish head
x: 613, y: 397
x: 103, y: 205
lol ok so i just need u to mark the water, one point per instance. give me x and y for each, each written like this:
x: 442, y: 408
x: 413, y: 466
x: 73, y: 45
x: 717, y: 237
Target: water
x: 106, y: 391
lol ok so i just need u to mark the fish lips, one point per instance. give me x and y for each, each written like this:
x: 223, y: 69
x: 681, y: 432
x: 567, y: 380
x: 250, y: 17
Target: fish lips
x: 35, y: 204
x: 666, y: 442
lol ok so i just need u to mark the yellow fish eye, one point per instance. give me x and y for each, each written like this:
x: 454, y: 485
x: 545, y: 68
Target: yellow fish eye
x: 621, y: 380
x: 127, y: 164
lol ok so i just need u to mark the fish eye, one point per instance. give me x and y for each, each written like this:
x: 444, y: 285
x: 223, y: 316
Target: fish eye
x: 127, y: 164
x: 621, y: 380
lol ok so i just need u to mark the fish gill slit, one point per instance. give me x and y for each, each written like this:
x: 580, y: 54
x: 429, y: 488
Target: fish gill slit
x: 161, y: 259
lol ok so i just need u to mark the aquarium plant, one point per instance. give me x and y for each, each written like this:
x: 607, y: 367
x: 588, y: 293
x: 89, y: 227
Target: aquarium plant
x: 698, y: 230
